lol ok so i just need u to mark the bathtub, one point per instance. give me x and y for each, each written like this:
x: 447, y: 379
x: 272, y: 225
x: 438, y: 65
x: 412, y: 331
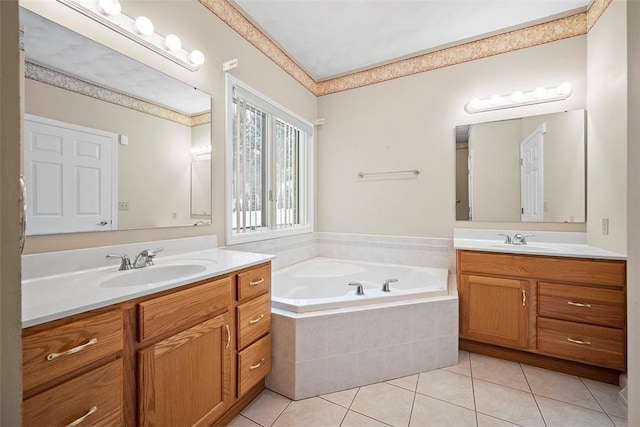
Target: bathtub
x: 327, y: 338
x: 323, y: 284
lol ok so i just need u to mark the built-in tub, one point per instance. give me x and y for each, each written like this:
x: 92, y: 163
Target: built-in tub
x: 326, y: 338
x: 323, y: 283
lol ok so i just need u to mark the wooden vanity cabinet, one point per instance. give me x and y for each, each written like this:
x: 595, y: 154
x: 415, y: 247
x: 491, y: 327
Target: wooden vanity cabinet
x: 543, y: 310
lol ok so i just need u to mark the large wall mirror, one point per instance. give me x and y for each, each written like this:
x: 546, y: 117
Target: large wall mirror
x: 109, y: 143
x: 530, y: 169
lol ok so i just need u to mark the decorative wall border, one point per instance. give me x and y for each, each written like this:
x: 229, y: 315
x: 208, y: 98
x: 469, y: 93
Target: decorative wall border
x: 559, y: 29
x: 63, y: 81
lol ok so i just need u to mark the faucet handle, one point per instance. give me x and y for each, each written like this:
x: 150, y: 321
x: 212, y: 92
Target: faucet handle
x: 150, y: 254
x: 360, y: 289
x: 507, y: 240
x: 385, y: 285
x: 125, y: 263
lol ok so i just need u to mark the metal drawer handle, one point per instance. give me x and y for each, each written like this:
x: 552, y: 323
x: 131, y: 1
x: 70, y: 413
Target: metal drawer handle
x: 53, y: 356
x: 93, y: 410
x: 579, y: 342
x: 257, y: 282
x: 257, y: 365
x: 578, y: 304
x: 228, y: 336
x: 256, y: 320
x: 524, y: 298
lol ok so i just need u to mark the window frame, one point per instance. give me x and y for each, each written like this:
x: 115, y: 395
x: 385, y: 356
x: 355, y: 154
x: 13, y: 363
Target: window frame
x: 232, y: 238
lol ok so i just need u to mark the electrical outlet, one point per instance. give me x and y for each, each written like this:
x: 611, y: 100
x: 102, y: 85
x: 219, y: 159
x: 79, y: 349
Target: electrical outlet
x: 123, y: 206
x: 605, y: 226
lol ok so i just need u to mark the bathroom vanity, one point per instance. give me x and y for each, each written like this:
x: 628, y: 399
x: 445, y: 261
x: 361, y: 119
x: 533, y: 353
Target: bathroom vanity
x: 193, y: 354
x: 565, y: 313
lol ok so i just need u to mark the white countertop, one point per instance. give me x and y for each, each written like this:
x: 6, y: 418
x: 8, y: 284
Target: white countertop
x: 60, y: 295
x: 569, y: 244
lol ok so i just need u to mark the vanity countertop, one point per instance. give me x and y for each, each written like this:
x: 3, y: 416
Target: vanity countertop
x: 564, y: 244
x: 60, y: 295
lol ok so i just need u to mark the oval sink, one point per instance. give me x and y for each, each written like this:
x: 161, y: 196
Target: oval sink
x: 152, y: 274
x: 523, y: 248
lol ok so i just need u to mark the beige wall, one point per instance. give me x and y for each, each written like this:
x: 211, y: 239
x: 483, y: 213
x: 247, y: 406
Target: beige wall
x: 198, y: 28
x: 409, y: 123
x: 607, y: 129
x: 633, y: 211
x: 10, y: 313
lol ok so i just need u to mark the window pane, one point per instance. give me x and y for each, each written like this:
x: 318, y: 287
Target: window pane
x: 289, y: 182
x: 249, y: 168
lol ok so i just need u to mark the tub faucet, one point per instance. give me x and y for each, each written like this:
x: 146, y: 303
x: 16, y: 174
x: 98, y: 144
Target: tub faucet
x: 145, y: 258
x: 385, y: 285
x: 360, y: 289
x: 125, y: 262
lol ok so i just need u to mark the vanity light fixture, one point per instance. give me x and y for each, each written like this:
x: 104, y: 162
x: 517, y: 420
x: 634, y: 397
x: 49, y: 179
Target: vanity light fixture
x: 519, y: 98
x: 141, y: 30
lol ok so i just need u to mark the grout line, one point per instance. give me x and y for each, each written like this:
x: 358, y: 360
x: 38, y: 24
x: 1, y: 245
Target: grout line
x: 413, y: 402
x: 539, y: 410
x: 594, y: 397
x: 473, y: 388
x: 279, y: 415
x: 534, y: 396
x: 501, y: 419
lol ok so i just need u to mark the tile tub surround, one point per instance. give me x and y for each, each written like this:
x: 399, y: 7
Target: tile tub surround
x: 287, y: 250
x: 324, y: 352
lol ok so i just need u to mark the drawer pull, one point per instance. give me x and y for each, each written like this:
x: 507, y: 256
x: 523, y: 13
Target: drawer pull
x: 257, y: 365
x: 524, y: 298
x: 257, y: 282
x: 578, y: 304
x: 256, y: 320
x: 579, y: 342
x: 93, y: 410
x: 228, y: 336
x: 53, y: 356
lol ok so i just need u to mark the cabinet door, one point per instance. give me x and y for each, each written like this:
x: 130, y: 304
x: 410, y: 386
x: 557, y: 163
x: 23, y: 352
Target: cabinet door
x: 185, y: 379
x: 494, y: 310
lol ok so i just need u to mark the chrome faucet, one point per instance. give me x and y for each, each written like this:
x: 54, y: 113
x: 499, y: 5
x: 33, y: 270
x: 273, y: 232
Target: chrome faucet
x: 360, y: 289
x: 145, y: 258
x: 507, y: 240
x: 519, y: 239
x: 125, y: 262
x: 385, y: 285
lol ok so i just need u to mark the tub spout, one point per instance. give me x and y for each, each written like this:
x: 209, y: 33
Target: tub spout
x: 360, y: 289
x: 385, y: 285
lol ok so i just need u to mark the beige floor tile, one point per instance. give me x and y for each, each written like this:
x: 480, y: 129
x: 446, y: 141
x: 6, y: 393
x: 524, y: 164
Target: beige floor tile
x: 266, y: 408
x: 463, y: 367
x: 313, y: 412
x: 354, y: 419
x: 619, y: 422
x: 498, y: 371
x: 241, y: 421
x: 607, y: 397
x: 448, y: 386
x: 567, y: 388
x: 506, y: 403
x: 428, y: 412
x: 343, y: 398
x: 409, y: 383
x: 384, y: 402
x: 561, y: 414
x: 487, y: 421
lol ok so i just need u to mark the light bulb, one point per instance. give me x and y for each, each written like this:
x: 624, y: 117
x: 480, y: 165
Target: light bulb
x: 172, y: 42
x: 144, y: 25
x: 517, y: 96
x: 495, y: 100
x: 110, y: 7
x: 474, y: 103
x: 539, y: 93
x: 196, y: 58
x: 564, y: 88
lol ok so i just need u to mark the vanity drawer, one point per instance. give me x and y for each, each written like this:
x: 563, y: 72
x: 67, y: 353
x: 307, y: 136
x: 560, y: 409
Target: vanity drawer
x: 183, y: 308
x: 597, y: 306
x: 44, y: 356
x: 101, y: 389
x: 254, y: 282
x: 590, y: 344
x: 254, y: 319
x: 254, y: 363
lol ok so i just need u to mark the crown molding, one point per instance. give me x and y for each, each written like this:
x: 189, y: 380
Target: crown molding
x: 535, y: 35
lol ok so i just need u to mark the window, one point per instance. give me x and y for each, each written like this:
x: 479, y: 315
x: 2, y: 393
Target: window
x: 269, y: 160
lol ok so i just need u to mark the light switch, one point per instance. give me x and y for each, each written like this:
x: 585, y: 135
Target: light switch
x: 605, y: 226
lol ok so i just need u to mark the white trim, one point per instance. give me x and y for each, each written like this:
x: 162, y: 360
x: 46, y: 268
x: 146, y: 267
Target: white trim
x: 230, y: 238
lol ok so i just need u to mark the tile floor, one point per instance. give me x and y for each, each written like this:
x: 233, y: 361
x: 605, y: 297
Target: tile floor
x: 479, y: 391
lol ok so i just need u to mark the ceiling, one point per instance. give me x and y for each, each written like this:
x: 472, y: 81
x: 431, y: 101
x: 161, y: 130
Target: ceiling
x: 329, y: 38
